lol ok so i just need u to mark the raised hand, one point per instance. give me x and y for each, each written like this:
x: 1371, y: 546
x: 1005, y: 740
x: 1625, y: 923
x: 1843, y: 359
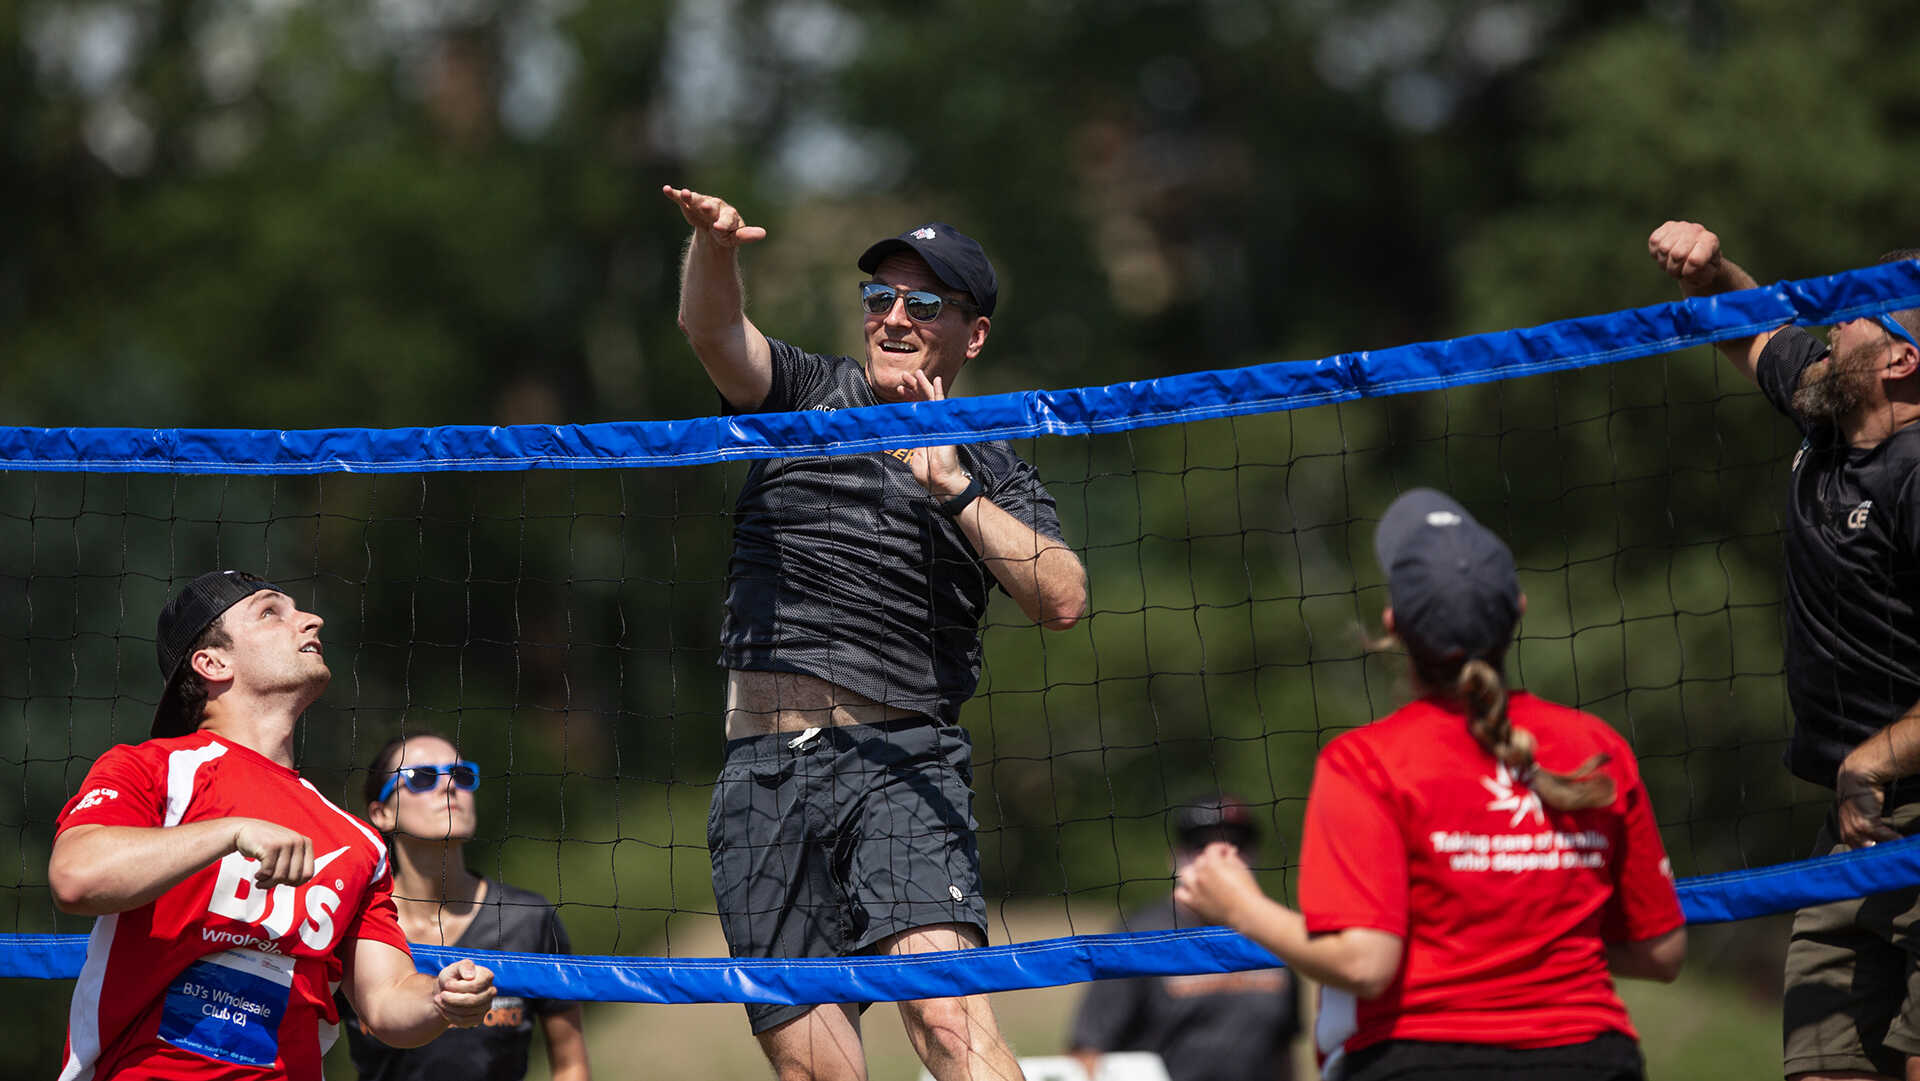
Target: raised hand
x: 1688, y: 252
x: 938, y: 469
x: 713, y: 218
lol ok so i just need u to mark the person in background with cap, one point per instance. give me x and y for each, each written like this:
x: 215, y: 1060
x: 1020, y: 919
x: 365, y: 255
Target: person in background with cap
x: 1222, y: 1026
x: 842, y: 820
x: 1852, y: 1004
x: 1473, y: 865
x: 420, y: 794
x: 230, y: 895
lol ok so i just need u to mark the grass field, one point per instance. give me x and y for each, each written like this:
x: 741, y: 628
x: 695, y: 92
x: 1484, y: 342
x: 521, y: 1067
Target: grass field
x: 1720, y: 1020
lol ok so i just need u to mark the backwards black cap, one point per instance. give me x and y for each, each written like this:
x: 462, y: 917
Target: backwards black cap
x: 1199, y: 822
x: 1451, y: 582
x: 955, y: 258
x: 190, y: 612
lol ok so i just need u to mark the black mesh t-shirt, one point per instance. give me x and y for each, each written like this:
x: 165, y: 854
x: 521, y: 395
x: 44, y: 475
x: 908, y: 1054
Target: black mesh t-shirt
x: 511, y: 919
x: 844, y: 568
x: 1853, y: 575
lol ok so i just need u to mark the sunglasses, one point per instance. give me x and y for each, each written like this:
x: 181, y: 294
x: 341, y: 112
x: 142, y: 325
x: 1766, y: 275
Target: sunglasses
x: 1892, y: 326
x: 466, y: 776
x: 922, y: 306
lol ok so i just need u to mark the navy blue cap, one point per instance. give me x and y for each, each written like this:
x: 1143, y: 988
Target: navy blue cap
x: 190, y: 612
x: 955, y: 258
x: 1452, y: 583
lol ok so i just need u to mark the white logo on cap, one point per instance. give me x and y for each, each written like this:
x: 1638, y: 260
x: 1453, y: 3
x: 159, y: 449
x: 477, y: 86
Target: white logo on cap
x: 1442, y: 517
x: 925, y: 232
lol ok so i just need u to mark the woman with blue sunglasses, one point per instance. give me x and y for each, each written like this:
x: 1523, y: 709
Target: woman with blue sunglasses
x: 420, y: 793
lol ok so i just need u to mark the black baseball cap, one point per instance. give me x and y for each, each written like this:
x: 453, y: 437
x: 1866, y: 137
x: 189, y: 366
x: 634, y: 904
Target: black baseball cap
x: 1198, y: 822
x: 190, y: 612
x: 1452, y: 583
x: 955, y: 258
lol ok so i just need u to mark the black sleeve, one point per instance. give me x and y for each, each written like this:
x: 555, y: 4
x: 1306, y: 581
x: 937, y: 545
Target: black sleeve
x: 1015, y: 487
x: 1906, y: 517
x: 798, y: 379
x: 1786, y: 355
x: 1108, y: 1015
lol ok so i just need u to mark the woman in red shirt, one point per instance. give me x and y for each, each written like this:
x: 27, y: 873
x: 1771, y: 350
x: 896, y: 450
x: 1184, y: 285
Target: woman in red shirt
x: 1475, y: 864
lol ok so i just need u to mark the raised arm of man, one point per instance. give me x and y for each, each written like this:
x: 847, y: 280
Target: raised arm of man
x: 713, y: 312
x: 1690, y: 254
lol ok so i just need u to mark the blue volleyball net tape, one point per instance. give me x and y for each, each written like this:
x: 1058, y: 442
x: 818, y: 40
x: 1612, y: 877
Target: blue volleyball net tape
x: 1178, y: 399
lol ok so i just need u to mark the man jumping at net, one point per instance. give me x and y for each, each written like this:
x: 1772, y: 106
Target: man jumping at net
x: 232, y: 897
x: 1852, y: 652
x: 842, y: 820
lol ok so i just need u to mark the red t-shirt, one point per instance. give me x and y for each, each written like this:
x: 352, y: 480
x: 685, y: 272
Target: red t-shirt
x: 218, y: 979
x: 1505, y: 905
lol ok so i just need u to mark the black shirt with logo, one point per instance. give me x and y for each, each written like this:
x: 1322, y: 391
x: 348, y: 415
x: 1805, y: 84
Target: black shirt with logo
x: 844, y: 568
x: 1222, y: 1026
x: 512, y: 919
x: 1853, y: 575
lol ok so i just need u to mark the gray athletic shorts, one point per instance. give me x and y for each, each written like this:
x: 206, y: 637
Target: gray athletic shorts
x: 1853, y: 975
x: 823, y: 846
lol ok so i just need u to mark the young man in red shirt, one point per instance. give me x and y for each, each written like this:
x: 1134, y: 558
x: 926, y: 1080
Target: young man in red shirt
x: 231, y: 895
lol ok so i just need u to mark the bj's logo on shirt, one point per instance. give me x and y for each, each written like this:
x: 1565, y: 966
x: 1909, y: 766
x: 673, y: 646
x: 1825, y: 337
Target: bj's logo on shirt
x: 237, y: 897
x: 95, y: 798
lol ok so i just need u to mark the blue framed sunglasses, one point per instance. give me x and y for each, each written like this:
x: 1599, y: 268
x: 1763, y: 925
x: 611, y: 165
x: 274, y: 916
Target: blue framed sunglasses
x: 466, y: 775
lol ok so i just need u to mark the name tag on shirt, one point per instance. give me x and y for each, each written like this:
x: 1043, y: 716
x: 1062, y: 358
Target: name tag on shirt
x: 227, y: 1006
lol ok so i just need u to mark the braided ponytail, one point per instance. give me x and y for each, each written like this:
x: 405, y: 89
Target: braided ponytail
x: 1484, y: 691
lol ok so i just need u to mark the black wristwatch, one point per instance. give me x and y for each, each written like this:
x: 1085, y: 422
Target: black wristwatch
x: 952, y: 507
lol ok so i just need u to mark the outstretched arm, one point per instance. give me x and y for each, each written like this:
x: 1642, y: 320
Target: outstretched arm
x: 712, y: 301
x: 1359, y: 960
x: 96, y: 869
x: 404, y: 1007
x: 1690, y: 254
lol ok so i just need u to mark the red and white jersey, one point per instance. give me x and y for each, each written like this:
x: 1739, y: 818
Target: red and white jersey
x: 218, y: 979
x: 1505, y: 905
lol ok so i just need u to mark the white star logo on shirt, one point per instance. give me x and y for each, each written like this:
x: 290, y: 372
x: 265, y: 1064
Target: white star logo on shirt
x: 1507, y: 796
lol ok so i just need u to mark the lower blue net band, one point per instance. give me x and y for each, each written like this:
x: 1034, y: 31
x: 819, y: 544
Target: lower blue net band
x: 1719, y: 898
